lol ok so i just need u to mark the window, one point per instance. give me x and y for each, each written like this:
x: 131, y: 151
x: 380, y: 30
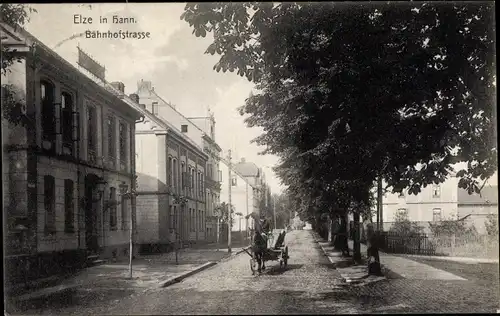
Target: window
x: 184, y: 128
x: 199, y: 185
x: 169, y: 170
x: 209, y: 171
x: 67, y: 123
x: 175, y: 174
x: 47, y: 95
x: 192, y: 182
x: 192, y: 220
x: 401, y: 194
x: 123, y: 207
x: 123, y: 146
x: 436, y: 215
x: 183, y: 175
x: 172, y: 218
x: 112, y: 209
x: 111, y: 139
x: 92, y: 133
x: 202, y: 187
x: 220, y: 175
x: 154, y: 108
x: 402, y: 212
x: 49, y: 203
x: 233, y: 181
x: 436, y: 191
x: 69, y: 207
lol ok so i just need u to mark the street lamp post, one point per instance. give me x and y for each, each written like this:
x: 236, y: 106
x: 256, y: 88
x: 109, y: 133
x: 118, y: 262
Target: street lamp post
x: 125, y: 193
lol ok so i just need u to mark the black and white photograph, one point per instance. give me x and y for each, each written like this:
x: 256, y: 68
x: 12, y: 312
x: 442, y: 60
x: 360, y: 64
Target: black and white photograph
x: 249, y: 158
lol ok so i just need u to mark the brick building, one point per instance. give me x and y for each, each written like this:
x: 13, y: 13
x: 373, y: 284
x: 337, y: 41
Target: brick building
x: 63, y: 171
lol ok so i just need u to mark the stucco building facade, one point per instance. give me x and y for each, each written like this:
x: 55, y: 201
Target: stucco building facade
x: 201, y: 131
x: 64, y: 169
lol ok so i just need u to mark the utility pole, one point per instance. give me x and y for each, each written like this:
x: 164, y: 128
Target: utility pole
x: 229, y: 217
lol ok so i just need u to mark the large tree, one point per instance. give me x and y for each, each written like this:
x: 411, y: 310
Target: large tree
x: 413, y: 82
x: 349, y: 92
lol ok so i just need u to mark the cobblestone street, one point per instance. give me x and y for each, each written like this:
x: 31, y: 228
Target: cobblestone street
x: 309, y: 285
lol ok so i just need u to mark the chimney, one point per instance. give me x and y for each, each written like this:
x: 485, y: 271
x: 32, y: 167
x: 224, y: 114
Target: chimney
x: 243, y: 160
x: 134, y: 97
x: 119, y: 86
x: 146, y: 85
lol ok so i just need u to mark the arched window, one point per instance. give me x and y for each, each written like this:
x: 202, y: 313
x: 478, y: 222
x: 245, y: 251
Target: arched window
x: 47, y: 96
x: 67, y: 123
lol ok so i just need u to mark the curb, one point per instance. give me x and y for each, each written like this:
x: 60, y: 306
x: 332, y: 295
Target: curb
x: 348, y: 280
x: 184, y: 275
x: 179, y: 278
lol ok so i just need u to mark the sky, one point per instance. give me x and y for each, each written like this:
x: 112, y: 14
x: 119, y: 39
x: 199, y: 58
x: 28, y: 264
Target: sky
x: 172, y: 59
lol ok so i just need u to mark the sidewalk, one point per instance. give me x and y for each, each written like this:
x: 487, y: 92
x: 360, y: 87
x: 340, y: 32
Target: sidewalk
x: 150, y: 271
x: 456, y: 259
x: 410, y: 269
x: 392, y: 266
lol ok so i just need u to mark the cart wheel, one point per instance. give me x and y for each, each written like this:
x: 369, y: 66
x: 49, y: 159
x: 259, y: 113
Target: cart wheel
x: 253, y: 265
x: 281, y: 263
x: 285, y: 259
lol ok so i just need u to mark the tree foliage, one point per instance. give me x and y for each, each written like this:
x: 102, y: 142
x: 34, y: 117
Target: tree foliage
x: 13, y: 106
x: 348, y: 92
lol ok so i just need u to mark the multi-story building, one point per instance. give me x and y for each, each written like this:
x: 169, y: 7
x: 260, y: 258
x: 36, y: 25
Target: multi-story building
x: 202, y: 132
x: 253, y: 175
x: 242, y: 197
x: 170, y: 198
x: 437, y: 202
x: 64, y: 169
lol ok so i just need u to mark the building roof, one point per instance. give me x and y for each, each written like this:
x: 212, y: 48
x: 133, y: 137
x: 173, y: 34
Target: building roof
x: 489, y: 195
x: 247, y: 169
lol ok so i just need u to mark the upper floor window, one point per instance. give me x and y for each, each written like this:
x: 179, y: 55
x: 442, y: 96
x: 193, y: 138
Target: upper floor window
x: 402, y: 213
x: 436, y: 215
x: 175, y: 174
x: 436, y: 191
x: 184, y: 128
x: 123, y: 145
x: 170, y: 172
x: 219, y: 176
x: 68, y: 123
x: 183, y: 174
x: 154, y: 108
x: 47, y: 96
x: 233, y: 181
x: 401, y: 194
x: 92, y: 133
x: 193, y: 179
x: 111, y: 138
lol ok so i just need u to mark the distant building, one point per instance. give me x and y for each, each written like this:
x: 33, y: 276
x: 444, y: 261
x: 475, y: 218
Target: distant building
x: 64, y: 171
x: 439, y: 202
x: 202, y: 132
x: 243, y: 197
x: 477, y: 207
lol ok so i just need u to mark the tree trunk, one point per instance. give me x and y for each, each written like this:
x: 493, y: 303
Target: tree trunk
x: 341, y: 240
x: 356, y: 239
x: 373, y: 241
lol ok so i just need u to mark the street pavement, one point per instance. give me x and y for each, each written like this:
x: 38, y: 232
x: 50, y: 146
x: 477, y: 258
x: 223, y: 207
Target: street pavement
x: 310, y: 284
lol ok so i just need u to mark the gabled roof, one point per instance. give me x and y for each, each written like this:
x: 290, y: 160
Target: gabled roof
x: 489, y: 196
x: 247, y: 169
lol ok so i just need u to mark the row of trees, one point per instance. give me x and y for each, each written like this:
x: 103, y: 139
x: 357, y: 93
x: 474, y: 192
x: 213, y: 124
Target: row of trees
x: 349, y: 93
